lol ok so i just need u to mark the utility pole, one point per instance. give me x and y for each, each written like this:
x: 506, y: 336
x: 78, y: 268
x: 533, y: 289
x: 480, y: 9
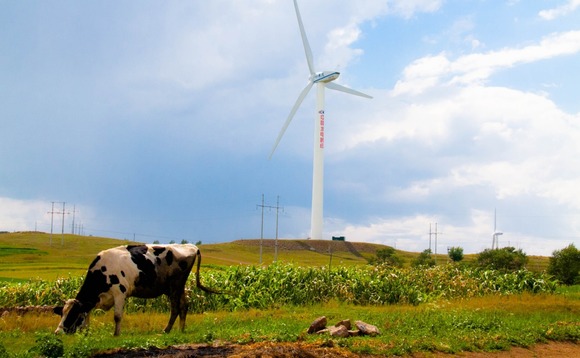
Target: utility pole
x: 277, y: 207
x: 435, y: 238
x: 73, y: 219
x: 51, y: 212
x: 277, y: 210
x: 262, y: 228
x: 62, y: 227
x: 430, y: 233
x: 435, y: 235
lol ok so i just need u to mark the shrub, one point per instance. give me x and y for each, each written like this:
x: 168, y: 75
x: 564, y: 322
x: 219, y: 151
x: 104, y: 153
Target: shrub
x: 387, y: 256
x: 424, y: 259
x: 455, y: 253
x: 505, y: 259
x: 565, y: 265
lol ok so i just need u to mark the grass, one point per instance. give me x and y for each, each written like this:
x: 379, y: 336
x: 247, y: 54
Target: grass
x: 480, y: 324
x: 488, y: 323
x: 27, y: 255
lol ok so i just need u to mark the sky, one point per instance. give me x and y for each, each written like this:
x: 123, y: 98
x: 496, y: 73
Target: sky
x: 155, y: 120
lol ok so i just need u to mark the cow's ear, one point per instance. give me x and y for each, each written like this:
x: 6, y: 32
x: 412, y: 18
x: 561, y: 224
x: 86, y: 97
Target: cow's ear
x: 58, y: 310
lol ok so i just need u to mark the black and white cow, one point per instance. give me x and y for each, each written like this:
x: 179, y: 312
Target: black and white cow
x: 144, y: 271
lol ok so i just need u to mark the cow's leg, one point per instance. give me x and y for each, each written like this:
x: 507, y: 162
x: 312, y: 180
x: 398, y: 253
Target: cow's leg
x: 183, y: 311
x: 119, y: 304
x: 175, y: 303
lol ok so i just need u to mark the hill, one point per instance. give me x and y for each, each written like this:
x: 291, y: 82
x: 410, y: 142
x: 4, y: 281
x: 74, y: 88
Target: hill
x: 29, y: 255
x: 26, y: 255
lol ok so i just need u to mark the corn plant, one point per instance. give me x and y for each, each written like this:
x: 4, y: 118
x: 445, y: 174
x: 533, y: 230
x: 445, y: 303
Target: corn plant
x: 277, y: 285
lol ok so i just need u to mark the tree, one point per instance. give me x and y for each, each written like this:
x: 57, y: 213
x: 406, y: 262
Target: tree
x: 156, y: 242
x: 183, y: 242
x: 387, y: 256
x: 504, y: 259
x: 565, y: 265
x: 198, y: 243
x: 455, y: 253
x: 424, y: 259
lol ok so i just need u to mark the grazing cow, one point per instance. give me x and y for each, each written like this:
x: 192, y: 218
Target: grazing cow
x: 144, y: 271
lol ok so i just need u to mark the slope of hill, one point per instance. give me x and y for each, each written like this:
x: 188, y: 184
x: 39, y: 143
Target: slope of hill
x: 26, y: 255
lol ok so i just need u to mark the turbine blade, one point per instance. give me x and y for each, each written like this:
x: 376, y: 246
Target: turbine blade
x: 291, y: 115
x: 337, y: 87
x: 305, y: 43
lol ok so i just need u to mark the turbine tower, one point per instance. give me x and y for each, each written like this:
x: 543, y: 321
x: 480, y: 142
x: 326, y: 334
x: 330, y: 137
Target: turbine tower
x: 496, y: 234
x: 322, y: 80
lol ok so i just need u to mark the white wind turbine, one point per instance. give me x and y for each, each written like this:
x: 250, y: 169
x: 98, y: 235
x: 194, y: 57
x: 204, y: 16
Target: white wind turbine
x: 322, y: 80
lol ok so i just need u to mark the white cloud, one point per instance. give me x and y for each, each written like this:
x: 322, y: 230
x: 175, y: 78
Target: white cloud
x: 29, y: 215
x: 560, y: 11
x: 429, y: 71
x: 24, y: 215
x: 411, y: 233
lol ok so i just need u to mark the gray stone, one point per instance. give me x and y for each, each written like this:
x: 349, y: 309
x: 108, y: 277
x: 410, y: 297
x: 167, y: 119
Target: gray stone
x: 345, y: 323
x: 339, y: 331
x: 317, y: 325
x: 367, y: 329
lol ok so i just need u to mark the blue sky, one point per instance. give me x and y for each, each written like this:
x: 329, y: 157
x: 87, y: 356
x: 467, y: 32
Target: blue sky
x: 156, y: 119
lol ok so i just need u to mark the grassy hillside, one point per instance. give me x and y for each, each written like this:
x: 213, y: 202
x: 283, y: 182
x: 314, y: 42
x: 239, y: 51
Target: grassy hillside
x: 26, y: 255
x: 29, y: 255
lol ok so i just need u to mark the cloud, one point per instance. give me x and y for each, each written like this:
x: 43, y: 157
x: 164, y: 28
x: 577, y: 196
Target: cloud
x: 562, y: 10
x: 449, y: 148
x: 24, y: 215
x: 429, y: 71
x: 407, y: 8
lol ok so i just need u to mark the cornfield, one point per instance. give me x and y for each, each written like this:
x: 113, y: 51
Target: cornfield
x: 277, y: 285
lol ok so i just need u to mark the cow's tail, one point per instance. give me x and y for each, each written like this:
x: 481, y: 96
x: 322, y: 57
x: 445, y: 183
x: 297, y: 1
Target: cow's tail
x: 198, y: 281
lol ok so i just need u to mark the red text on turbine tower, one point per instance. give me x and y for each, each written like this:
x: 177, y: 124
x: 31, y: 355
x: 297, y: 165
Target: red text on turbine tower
x: 321, y: 119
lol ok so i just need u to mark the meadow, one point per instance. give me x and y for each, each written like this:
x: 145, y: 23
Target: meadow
x: 448, y: 308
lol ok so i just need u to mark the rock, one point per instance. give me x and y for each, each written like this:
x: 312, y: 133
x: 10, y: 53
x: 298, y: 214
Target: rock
x: 367, y: 329
x: 339, y: 331
x: 317, y: 325
x: 345, y: 323
x: 353, y: 332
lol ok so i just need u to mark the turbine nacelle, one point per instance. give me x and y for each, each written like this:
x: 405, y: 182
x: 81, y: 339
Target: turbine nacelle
x: 325, y: 77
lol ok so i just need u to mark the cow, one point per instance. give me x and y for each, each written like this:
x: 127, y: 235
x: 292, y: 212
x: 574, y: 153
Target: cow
x: 143, y: 271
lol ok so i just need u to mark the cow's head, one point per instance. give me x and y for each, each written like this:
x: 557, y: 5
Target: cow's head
x: 73, y: 315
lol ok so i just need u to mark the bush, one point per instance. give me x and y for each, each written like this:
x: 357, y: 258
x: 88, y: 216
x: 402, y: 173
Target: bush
x: 455, y: 253
x: 424, y: 259
x: 565, y: 265
x: 506, y: 259
x: 387, y: 256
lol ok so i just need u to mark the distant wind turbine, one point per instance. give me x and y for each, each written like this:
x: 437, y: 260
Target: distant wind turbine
x: 496, y: 234
x: 322, y: 80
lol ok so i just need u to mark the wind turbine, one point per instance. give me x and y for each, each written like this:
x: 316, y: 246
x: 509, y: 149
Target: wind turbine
x: 322, y: 80
x: 496, y: 234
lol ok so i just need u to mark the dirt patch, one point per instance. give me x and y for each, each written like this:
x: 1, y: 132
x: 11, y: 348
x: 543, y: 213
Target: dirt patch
x: 310, y: 350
